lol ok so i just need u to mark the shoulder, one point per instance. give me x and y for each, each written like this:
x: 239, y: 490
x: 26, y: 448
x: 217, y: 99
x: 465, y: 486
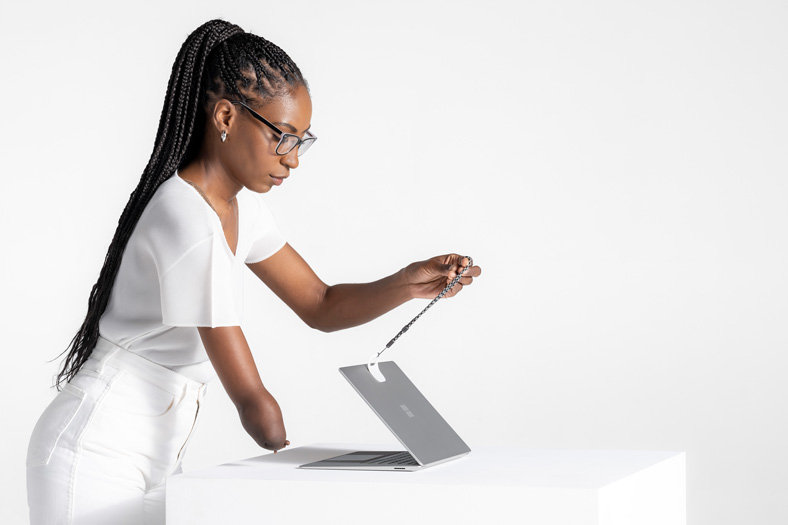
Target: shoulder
x: 174, y: 220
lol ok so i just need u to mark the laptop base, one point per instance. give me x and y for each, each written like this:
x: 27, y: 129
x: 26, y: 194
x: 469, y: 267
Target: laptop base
x: 368, y: 460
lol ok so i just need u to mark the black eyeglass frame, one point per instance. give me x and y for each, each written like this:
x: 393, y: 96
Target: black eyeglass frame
x: 283, y: 134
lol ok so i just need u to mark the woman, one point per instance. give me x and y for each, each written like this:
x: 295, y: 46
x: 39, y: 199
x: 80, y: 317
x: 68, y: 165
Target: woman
x: 164, y: 316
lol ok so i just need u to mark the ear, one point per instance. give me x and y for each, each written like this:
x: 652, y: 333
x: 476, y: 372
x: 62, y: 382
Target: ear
x: 223, y: 116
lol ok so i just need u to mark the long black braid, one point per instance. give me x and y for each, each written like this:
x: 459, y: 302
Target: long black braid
x: 217, y: 59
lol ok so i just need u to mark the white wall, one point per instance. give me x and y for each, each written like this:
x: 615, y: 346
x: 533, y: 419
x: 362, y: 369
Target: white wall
x: 617, y: 169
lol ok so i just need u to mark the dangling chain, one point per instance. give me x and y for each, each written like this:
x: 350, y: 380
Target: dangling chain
x: 448, y: 287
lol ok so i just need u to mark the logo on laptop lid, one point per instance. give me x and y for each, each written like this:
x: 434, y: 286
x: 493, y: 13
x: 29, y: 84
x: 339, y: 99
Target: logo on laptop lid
x: 407, y: 411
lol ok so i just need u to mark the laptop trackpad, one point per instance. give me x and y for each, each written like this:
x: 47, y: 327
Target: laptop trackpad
x: 360, y: 457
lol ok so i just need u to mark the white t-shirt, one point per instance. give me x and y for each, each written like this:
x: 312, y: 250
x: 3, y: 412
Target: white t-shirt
x: 178, y: 272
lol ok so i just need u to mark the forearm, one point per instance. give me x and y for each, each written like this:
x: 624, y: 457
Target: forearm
x: 352, y: 304
x: 263, y: 421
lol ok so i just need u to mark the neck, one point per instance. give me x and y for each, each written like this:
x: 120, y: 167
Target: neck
x: 215, y: 183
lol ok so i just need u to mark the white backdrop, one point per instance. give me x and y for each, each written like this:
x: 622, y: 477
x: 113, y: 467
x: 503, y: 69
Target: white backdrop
x: 616, y: 168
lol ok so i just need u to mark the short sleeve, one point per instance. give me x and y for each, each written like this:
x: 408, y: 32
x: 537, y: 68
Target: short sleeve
x: 267, y: 237
x: 202, y: 287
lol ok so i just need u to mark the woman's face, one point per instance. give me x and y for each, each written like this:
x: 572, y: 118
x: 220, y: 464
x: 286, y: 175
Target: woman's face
x: 249, y: 151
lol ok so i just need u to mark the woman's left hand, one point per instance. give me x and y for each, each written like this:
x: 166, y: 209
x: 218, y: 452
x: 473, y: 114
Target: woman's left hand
x: 428, y: 278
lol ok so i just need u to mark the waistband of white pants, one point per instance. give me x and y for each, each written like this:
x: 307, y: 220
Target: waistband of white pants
x: 108, y: 352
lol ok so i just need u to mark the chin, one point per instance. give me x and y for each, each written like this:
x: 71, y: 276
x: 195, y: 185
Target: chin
x: 261, y: 188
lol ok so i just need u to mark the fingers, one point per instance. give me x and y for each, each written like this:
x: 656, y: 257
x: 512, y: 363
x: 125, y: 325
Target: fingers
x: 467, y: 277
x: 473, y: 271
x: 457, y: 260
x: 453, y: 259
x: 453, y: 263
x: 463, y: 280
x: 449, y: 267
x: 454, y: 291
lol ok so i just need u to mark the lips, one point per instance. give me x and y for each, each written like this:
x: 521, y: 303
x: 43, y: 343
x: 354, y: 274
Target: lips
x: 277, y: 180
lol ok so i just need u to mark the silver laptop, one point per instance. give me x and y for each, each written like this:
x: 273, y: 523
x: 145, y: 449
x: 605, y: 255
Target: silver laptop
x: 426, y: 436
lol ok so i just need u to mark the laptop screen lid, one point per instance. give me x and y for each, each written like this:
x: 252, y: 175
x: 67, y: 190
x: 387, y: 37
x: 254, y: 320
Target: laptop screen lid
x: 406, y: 413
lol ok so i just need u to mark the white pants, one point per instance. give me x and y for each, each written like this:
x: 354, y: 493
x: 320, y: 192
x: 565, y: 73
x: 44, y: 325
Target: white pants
x: 103, y: 448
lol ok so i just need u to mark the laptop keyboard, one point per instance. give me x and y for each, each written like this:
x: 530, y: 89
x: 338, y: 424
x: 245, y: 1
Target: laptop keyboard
x: 400, y: 458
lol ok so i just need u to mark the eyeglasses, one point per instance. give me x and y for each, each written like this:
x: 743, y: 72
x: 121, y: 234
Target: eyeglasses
x: 287, y: 141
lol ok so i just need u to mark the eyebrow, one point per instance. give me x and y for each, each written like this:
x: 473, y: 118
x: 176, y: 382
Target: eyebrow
x: 291, y: 127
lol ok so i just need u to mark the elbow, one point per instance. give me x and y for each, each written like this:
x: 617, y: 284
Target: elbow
x: 322, y: 327
x: 314, y: 324
x: 325, y: 329
x: 316, y: 320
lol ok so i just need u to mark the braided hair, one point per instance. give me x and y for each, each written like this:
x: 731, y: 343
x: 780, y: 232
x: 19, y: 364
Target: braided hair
x: 216, y: 60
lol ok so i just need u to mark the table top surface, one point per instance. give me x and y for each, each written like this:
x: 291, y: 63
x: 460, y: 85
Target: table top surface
x: 493, y: 466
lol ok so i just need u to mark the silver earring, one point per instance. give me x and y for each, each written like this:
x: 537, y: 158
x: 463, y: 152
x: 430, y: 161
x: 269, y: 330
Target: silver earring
x: 224, y: 135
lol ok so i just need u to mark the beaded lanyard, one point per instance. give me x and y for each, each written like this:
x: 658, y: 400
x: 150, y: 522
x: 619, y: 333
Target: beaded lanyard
x: 372, y: 364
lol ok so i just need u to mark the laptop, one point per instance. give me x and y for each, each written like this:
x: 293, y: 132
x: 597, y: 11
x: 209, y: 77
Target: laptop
x: 426, y: 436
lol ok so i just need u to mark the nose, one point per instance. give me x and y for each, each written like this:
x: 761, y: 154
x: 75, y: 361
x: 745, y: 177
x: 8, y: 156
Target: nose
x: 291, y: 159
